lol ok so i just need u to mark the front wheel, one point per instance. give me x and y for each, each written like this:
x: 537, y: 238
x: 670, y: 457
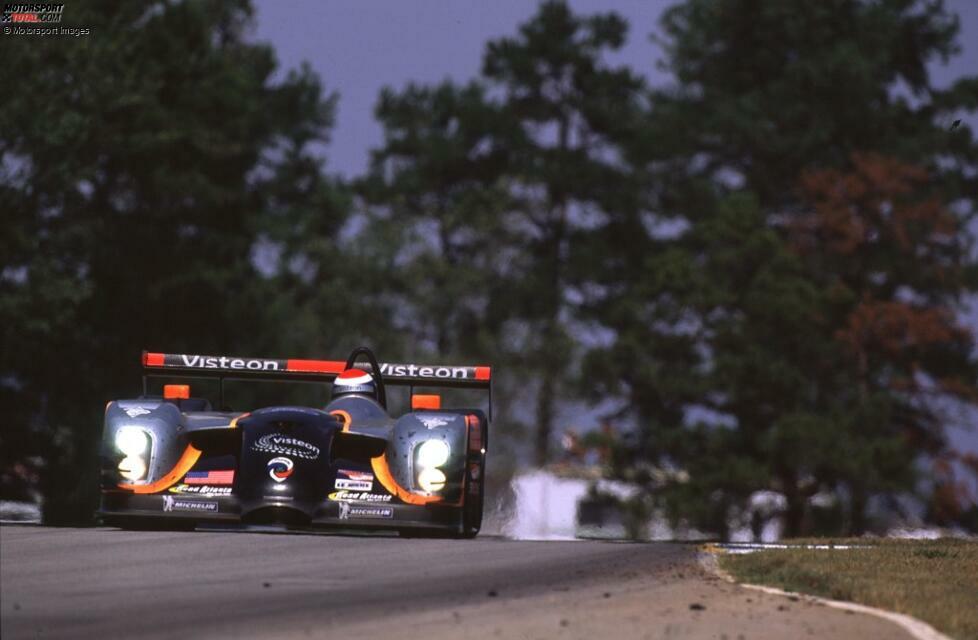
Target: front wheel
x: 474, y: 499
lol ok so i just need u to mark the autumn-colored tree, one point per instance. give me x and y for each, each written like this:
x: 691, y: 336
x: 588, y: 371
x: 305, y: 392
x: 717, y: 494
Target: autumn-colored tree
x: 892, y: 255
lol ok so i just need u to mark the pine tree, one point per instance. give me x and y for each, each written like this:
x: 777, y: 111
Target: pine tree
x: 134, y: 193
x: 571, y: 115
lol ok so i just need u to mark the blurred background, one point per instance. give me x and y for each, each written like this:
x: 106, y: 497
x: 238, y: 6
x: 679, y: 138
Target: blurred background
x: 721, y: 253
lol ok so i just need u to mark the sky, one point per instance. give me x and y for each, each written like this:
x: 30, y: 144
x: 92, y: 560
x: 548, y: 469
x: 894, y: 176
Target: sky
x: 358, y: 47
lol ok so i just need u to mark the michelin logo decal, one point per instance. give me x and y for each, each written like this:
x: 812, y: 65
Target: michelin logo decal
x: 175, y: 504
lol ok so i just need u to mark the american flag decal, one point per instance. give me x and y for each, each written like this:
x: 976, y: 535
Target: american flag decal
x: 210, y: 477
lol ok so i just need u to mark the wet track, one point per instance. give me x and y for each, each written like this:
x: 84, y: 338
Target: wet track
x: 80, y: 583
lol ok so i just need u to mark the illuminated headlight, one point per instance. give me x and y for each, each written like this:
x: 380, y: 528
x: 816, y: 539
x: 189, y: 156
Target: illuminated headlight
x: 134, y: 444
x: 131, y: 441
x: 431, y: 480
x: 432, y: 453
x: 132, y: 468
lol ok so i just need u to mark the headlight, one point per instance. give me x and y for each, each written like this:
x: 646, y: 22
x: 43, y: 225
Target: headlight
x: 431, y: 480
x: 134, y: 443
x: 132, y: 468
x: 131, y: 441
x: 433, y: 453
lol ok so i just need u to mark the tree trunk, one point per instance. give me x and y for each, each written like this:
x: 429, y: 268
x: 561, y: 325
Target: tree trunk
x: 857, y: 510
x: 545, y: 418
x: 550, y: 360
x: 794, y: 515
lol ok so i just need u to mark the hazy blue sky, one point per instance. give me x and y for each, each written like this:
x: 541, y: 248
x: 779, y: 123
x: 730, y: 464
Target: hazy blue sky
x: 357, y: 47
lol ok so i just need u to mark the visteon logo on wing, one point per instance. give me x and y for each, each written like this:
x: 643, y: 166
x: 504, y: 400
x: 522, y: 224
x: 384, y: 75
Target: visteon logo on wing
x: 223, y: 362
x: 425, y: 372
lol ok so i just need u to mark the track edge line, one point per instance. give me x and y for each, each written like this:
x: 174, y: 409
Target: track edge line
x: 914, y: 626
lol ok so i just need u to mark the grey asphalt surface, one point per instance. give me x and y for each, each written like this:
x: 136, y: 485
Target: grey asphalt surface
x: 107, y: 583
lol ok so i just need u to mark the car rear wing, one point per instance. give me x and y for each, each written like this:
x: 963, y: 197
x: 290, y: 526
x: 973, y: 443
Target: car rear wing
x: 231, y: 367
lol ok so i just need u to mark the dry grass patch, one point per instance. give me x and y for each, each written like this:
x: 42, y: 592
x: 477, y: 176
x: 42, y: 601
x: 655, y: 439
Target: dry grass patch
x: 934, y: 580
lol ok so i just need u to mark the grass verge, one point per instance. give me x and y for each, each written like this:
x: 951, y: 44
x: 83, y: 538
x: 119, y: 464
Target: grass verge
x: 933, y: 580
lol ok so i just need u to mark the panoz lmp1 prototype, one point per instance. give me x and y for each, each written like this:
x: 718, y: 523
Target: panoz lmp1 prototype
x: 171, y: 460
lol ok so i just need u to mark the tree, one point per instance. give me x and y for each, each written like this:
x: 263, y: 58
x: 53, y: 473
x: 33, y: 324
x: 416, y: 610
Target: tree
x: 735, y: 351
x: 436, y: 203
x: 135, y: 189
x: 881, y: 239
x: 766, y: 90
x: 571, y: 114
x: 487, y: 189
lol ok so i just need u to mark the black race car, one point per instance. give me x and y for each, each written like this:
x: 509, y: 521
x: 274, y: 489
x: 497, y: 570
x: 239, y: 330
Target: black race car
x: 172, y: 460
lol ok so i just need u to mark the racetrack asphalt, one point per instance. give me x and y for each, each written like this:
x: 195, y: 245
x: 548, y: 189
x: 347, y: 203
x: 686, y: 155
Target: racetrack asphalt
x: 107, y: 583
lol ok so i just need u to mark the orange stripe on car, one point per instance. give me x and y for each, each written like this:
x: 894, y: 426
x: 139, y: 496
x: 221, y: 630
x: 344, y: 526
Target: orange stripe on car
x: 315, y: 366
x: 234, y: 422
x: 383, y: 474
x: 344, y: 416
x: 186, y: 462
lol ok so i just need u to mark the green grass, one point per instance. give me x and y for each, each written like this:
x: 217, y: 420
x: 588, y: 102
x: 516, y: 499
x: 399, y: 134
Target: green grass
x: 933, y: 580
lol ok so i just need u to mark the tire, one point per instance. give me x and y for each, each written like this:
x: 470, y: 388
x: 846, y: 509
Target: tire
x: 473, y: 507
x: 471, y: 519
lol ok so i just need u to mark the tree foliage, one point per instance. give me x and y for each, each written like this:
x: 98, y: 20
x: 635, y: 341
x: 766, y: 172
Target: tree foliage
x: 134, y: 191
x: 757, y: 270
x: 812, y: 298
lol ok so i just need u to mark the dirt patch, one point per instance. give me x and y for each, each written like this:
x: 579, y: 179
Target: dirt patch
x: 683, y: 601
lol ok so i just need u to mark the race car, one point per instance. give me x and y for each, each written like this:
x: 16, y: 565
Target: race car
x: 172, y: 461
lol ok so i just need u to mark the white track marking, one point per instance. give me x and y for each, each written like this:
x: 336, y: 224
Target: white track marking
x: 917, y: 628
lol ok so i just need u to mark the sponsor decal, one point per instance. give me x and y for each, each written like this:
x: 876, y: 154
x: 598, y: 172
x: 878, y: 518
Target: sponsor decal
x: 433, y: 422
x: 221, y: 476
x: 285, y: 445
x: 354, y: 480
x: 135, y: 412
x: 348, y: 511
x: 176, y: 504
x: 224, y: 362
x: 201, y: 489
x: 279, y: 469
x: 358, y: 496
x: 353, y: 485
x: 414, y: 370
